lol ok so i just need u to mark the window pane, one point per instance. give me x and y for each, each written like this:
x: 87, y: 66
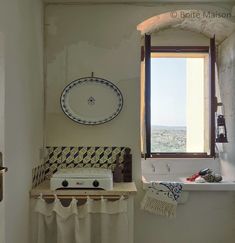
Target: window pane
x: 177, y: 104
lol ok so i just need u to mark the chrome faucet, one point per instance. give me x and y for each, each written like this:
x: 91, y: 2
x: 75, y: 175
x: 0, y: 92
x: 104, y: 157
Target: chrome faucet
x: 153, y: 167
x: 168, y: 168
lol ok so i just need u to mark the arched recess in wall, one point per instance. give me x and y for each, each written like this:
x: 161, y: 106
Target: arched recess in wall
x: 209, y: 24
x: 221, y: 24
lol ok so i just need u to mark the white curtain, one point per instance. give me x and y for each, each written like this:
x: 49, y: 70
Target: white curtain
x: 96, y: 221
x: 220, y: 110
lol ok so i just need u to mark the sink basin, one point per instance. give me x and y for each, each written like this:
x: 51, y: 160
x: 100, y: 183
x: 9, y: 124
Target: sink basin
x: 224, y: 185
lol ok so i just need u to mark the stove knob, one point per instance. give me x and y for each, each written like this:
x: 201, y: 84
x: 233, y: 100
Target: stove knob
x: 65, y: 183
x: 96, y: 183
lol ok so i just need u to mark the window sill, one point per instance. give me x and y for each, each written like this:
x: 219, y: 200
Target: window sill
x: 187, y: 186
x: 181, y: 155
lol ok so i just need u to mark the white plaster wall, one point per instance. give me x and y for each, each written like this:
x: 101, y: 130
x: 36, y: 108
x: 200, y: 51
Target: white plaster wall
x: 227, y: 87
x: 21, y: 25
x: 2, y: 98
x: 181, y: 37
x: 195, y: 105
x: 103, y: 39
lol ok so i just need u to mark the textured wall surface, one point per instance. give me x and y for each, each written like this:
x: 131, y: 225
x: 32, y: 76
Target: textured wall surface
x: 199, y: 21
x: 227, y: 87
x: 103, y: 39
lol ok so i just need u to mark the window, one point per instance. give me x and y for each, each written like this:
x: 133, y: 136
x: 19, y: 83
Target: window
x: 180, y: 100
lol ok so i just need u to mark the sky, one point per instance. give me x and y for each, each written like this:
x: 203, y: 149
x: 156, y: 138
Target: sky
x: 168, y: 91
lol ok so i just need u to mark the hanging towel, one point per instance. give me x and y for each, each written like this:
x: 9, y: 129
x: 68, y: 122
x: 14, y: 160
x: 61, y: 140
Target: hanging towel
x: 161, y: 198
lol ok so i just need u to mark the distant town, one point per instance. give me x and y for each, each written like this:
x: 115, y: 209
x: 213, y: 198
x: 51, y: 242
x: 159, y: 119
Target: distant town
x: 168, y: 139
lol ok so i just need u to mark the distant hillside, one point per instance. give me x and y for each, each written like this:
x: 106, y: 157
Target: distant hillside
x: 171, y: 139
x: 169, y: 127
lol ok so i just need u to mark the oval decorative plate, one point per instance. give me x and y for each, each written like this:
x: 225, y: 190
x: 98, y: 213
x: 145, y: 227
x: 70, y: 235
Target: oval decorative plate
x: 91, y: 100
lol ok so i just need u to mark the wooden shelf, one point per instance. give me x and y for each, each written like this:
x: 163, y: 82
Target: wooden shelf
x: 119, y: 189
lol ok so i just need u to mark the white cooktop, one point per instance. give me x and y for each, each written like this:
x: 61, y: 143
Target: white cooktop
x: 83, y: 173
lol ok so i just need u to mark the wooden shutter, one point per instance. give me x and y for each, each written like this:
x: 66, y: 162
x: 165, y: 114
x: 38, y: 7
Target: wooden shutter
x: 212, y: 60
x: 147, y: 55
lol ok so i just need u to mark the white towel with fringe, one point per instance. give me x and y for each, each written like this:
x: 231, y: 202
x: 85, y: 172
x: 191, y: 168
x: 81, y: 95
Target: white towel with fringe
x: 161, y: 198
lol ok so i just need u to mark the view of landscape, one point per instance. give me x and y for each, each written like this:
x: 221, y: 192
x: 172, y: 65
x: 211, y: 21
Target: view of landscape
x: 168, y: 139
x: 168, y: 105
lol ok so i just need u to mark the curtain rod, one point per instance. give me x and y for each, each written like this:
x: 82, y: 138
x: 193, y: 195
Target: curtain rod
x: 79, y: 196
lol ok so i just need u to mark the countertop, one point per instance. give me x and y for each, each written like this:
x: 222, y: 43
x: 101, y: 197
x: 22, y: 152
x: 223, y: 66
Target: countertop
x: 119, y: 189
x: 224, y: 185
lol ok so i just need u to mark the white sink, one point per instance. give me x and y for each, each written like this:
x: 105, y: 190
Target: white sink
x: 224, y: 185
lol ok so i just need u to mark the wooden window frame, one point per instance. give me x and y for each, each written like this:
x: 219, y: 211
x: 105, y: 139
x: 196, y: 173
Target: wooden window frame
x: 211, y: 50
